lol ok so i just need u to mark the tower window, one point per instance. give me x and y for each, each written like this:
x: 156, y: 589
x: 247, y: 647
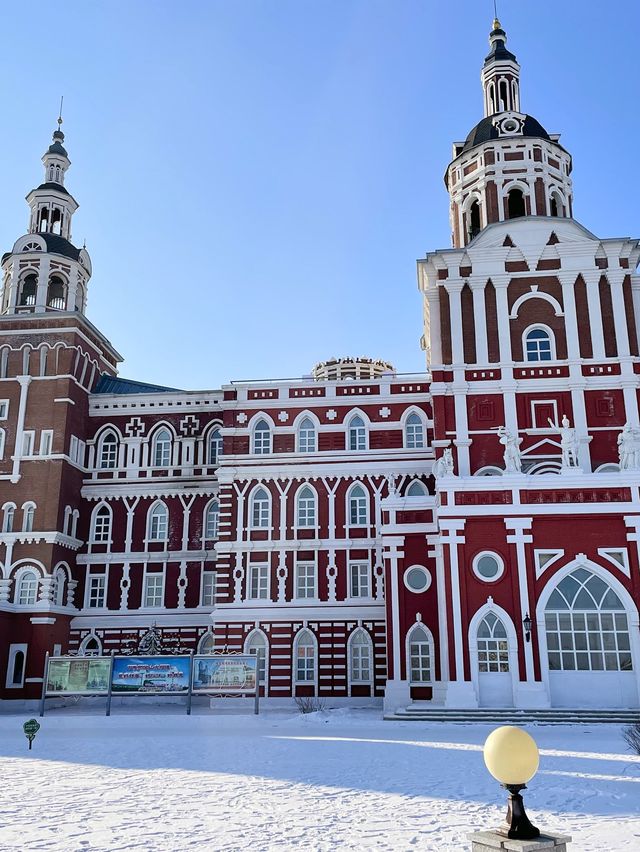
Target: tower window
x: 56, y: 221
x: 515, y: 204
x: 28, y: 291
x: 504, y: 95
x: 474, y: 220
x: 56, y: 296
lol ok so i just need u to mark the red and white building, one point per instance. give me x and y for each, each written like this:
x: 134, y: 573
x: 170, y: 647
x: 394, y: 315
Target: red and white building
x: 467, y: 536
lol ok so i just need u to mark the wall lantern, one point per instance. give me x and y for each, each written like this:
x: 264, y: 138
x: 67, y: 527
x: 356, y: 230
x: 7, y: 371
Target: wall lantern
x: 511, y: 756
x: 526, y: 623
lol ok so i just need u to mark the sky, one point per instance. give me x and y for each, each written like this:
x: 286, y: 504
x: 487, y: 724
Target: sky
x: 257, y: 178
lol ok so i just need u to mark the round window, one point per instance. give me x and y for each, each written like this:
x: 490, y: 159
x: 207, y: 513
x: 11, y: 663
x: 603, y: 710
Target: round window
x: 488, y: 566
x: 417, y: 579
x: 510, y: 126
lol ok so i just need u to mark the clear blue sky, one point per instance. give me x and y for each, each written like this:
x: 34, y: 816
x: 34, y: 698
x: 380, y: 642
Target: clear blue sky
x: 256, y: 178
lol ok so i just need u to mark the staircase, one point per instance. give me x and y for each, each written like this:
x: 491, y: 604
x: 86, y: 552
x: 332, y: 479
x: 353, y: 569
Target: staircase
x: 420, y: 712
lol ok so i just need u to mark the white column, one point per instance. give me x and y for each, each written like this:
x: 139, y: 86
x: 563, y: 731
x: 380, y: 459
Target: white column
x: 454, y: 289
x: 397, y: 693
x: 24, y: 382
x: 432, y: 303
x: 443, y: 633
x: 592, y: 280
x: 43, y: 282
x: 570, y: 316
x: 504, y: 326
x: 616, y: 279
x: 480, y: 321
x: 532, y: 693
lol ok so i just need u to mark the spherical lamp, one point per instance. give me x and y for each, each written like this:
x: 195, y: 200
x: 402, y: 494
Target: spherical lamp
x: 511, y: 756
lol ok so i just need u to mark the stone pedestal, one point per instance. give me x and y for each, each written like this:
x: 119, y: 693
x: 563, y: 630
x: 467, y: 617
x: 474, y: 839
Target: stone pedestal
x: 491, y: 841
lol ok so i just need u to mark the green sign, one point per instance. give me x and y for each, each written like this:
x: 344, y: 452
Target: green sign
x: 30, y: 729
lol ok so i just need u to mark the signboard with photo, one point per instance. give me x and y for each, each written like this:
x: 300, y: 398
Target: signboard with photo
x: 150, y: 675
x: 225, y: 674
x: 78, y: 675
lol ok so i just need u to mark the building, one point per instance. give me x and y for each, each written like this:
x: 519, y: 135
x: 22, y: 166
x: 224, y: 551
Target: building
x: 466, y: 537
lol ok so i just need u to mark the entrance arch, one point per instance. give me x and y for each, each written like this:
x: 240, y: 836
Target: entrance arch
x: 493, y: 650
x: 588, y: 639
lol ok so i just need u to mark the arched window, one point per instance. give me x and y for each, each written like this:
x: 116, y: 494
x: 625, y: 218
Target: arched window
x: 90, y: 646
x: 304, y: 651
x: 307, y: 436
x: 79, y: 305
x: 28, y: 515
x: 538, y: 345
x: 28, y: 291
x: 27, y: 589
x: 211, y: 516
x: 474, y: 220
x: 357, y: 507
x: 9, y: 515
x: 361, y: 657
x: 158, y: 523
x: 56, y: 221
x: 493, y: 645
x: 414, y: 432
x: 306, y: 507
x: 587, y: 626
x: 17, y: 673
x: 162, y: 448
x: 260, y: 508
x: 101, y: 530
x: 44, y: 220
x: 215, y: 446
x: 262, y: 438
x: 2, y: 441
x: 357, y: 434
x: 59, y: 587
x: 56, y: 293
x: 556, y: 205
x: 108, y: 454
x: 417, y: 489
x: 515, y: 204
x: 257, y: 644
x: 420, y: 656
x: 207, y: 643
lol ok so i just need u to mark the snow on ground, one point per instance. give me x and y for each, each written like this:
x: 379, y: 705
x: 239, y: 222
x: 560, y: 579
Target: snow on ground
x: 345, y: 780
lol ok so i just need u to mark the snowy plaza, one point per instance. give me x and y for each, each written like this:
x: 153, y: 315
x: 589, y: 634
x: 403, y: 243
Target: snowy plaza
x: 166, y: 782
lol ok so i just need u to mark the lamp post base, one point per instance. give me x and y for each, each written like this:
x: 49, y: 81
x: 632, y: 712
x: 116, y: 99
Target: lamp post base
x: 517, y: 825
x: 492, y: 841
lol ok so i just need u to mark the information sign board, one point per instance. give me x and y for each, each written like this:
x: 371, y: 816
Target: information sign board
x: 78, y: 675
x: 225, y: 674
x: 150, y: 675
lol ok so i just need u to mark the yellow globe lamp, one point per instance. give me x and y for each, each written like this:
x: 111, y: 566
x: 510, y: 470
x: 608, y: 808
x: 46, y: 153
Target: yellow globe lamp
x: 511, y: 756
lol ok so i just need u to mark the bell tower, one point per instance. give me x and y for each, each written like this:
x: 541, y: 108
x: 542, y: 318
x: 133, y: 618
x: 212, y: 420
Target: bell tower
x: 44, y: 271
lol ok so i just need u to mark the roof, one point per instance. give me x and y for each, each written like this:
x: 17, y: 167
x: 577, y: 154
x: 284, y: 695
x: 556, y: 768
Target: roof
x: 57, y: 148
x: 498, y: 50
x: 56, y: 245
x: 485, y: 130
x: 114, y: 384
x: 56, y: 187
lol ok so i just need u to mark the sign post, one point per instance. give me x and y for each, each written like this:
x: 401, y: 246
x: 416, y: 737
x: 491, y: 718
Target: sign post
x: 44, y: 686
x: 30, y: 729
x: 190, y: 693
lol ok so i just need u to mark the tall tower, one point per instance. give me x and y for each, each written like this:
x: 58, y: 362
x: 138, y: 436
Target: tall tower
x: 44, y: 271
x: 508, y: 166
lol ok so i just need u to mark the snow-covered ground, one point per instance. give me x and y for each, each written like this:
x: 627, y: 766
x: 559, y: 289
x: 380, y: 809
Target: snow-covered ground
x: 344, y: 780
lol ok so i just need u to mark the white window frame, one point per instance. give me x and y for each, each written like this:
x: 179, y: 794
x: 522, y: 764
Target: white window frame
x: 305, y: 565
x: 153, y: 575
x: 28, y: 443
x: 105, y: 535
x: 59, y: 586
x: 4, y: 408
x: 552, y: 344
x: 306, y: 516
x: 46, y: 442
x: 535, y: 403
x: 161, y: 449
x: 89, y: 588
x: 19, y: 581
x: 362, y: 510
x: 150, y: 522
x: 82, y: 649
x: 425, y: 573
x: 357, y: 574
x: 307, y: 436
x: 263, y: 515
x: 357, y: 435
x: 28, y: 515
x: 208, y: 533
x: 415, y: 437
x: 3, y: 438
x: 108, y: 461
x: 260, y: 572
x: 14, y: 649
x: 208, y: 588
x: 8, y: 517
x: 431, y: 654
x: 494, y: 555
x: 261, y: 439
x: 214, y: 446
x: 355, y: 666
x: 314, y: 646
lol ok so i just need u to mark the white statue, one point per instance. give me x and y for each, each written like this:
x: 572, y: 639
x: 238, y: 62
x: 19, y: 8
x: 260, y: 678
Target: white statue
x: 568, y: 442
x: 629, y: 448
x: 444, y: 465
x: 511, y: 444
x: 391, y: 485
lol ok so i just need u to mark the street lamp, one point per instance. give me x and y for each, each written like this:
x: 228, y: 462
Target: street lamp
x: 526, y: 623
x: 511, y: 756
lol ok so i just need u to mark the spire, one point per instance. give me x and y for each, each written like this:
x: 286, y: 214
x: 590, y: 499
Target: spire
x: 52, y: 206
x: 500, y: 75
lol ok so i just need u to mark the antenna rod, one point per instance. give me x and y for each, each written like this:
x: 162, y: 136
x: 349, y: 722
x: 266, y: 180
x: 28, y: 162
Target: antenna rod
x: 62, y: 101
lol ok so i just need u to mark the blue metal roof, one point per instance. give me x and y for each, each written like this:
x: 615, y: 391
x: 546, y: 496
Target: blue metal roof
x: 114, y: 384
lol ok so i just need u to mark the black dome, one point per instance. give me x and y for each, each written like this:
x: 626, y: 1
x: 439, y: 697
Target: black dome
x: 59, y: 245
x: 484, y: 131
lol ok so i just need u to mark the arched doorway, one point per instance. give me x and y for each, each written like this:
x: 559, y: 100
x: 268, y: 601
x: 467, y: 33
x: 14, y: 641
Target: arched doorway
x: 589, y: 643
x: 495, y: 686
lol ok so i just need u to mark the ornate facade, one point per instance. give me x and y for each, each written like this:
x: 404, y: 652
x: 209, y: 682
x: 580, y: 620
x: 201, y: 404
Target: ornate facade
x: 466, y: 537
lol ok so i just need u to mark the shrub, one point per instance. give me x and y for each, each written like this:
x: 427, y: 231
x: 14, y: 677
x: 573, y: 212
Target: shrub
x: 309, y: 704
x: 632, y: 737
